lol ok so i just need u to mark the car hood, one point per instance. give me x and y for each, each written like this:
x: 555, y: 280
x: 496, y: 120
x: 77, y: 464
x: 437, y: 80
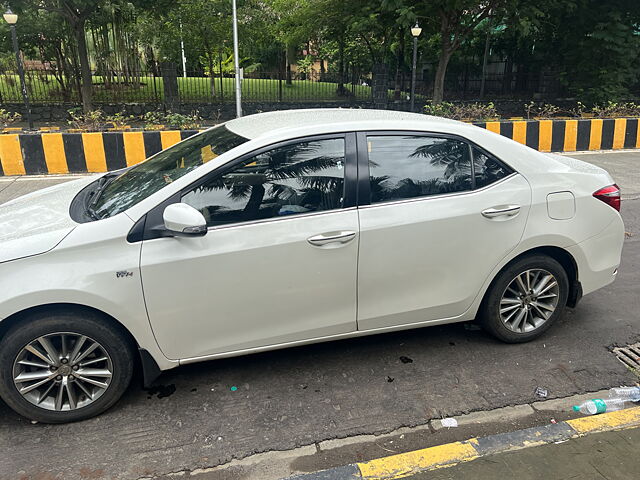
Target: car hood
x: 37, y: 222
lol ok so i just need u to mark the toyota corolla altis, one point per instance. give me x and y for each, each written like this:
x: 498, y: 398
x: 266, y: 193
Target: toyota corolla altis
x: 287, y: 228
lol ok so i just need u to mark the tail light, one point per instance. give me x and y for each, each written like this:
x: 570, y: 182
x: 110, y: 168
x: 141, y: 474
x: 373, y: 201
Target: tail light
x: 609, y: 195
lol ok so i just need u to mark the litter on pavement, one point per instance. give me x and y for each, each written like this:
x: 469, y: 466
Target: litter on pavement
x: 449, y: 422
x: 541, y: 392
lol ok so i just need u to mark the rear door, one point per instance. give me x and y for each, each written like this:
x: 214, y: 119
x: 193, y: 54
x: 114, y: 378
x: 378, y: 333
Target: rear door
x: 437, y: 214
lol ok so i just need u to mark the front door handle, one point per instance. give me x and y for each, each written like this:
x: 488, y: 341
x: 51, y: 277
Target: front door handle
x: 343, y: 236
x: 501, y: 211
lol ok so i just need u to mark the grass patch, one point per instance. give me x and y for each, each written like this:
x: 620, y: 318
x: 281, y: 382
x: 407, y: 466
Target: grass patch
x: 45, y: 88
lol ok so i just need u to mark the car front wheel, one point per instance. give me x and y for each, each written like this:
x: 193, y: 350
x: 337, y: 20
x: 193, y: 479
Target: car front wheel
x: 64, y: 367
x: 525, y: 299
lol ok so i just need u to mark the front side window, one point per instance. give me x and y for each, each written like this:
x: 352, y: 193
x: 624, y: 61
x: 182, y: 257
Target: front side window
x: 139, y: 182
x: 294, y: 179
x: 403, y: 167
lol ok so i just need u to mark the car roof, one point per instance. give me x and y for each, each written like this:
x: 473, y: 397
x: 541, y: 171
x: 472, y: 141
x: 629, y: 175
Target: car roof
x: 326, y: 119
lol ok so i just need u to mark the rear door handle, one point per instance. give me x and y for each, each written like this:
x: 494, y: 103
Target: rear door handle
x: 501, y: 211
x: 343, y: 236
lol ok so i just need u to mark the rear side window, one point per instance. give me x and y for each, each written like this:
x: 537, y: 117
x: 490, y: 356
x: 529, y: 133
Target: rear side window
x: 403, y: 167
x: 487, y: 169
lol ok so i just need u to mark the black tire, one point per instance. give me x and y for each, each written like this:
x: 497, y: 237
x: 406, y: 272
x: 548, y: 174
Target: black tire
x: 489, y: 314
x: 87, y: 323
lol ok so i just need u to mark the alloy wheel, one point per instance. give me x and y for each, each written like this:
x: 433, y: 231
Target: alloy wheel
x: 529, y: 300
x: 62, y: 371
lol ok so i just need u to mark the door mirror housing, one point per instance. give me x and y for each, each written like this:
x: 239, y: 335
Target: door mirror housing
x: 184, y: 220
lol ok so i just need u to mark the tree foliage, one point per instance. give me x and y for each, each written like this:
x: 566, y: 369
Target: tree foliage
x: 591, y: 46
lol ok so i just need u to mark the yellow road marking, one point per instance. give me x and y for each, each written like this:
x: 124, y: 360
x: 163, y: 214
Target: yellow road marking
x: 397, y: 466
x: 606, y: 421
x: 11, y: 155
x: 54, y: 155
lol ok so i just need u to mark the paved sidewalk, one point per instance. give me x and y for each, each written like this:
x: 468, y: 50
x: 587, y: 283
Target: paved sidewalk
x: 598, y: 456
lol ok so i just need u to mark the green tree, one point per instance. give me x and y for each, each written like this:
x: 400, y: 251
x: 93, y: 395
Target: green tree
x: 456, y: 22
x: 76, y: 13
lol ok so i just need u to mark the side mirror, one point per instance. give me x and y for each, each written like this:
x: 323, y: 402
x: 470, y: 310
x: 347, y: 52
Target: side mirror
x: 184, y: 220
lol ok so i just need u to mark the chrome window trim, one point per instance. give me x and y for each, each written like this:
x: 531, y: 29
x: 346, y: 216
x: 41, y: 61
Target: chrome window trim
x: 279, y: 219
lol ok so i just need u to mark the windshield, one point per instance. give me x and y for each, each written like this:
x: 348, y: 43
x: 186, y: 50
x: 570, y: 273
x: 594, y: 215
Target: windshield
x: 144, y: 179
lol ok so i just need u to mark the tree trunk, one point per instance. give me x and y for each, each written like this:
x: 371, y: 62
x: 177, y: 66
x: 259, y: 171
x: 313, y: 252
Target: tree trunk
x: 288, y: 65
x: 485, y: 61
x: 212, y: 77
x: 85, y: 70
x: 341, y: 89
x: 508, y: 75
x: 438, y: 83
x: 398, y: 80
x: 221, y: 76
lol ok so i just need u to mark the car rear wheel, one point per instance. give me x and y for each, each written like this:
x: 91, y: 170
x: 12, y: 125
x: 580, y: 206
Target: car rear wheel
x: 63, y: 367
x: 525, y: 299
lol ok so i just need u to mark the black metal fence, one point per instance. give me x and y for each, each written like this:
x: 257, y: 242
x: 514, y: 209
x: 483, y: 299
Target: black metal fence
x: 52, y: 86
x: 49, y: 86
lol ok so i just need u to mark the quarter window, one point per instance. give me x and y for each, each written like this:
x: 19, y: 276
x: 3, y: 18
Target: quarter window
x: 403, y: 167
x: 293, y: 179
x: 487, y: 169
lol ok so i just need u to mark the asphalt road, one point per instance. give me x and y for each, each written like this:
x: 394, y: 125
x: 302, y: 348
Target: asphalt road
x: 304, y: 395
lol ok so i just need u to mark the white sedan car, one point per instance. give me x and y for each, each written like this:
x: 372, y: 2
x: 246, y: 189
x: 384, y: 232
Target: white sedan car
x: 288, y: 228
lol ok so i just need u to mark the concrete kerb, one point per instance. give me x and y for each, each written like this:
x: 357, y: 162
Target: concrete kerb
x: 404, y: 464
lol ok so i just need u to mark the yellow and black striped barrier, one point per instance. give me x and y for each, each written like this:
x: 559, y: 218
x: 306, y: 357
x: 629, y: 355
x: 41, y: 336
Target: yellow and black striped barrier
x: 41, y: 153
x: 570, y: 135
x: 59, y: 153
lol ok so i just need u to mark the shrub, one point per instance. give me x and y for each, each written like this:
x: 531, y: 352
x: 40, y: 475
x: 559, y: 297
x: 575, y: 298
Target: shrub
x: 93, y: 120
x: 119, y: 120
x: 615, y: 109
x: 178, y: 120
x: 153, y: 118
x: 192, y: 120
x: 462, y: 111
x: 7, y: 118
x: 544, y: 110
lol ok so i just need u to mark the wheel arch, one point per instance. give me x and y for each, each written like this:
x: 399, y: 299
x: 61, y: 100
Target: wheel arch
x: 562, y: 256
x: 150, y: 367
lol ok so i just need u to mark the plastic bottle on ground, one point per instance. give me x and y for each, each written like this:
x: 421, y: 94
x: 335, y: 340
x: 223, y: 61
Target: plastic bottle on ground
x: 627, y: 393
x: 600, y: 405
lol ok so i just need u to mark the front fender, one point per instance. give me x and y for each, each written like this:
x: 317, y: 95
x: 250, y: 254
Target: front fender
x: 102, y: 275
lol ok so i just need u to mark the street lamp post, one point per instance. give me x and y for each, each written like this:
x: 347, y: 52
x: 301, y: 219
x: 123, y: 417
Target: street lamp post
x: 236, y: 59
x: 11, y: 18
x: 415, y: 33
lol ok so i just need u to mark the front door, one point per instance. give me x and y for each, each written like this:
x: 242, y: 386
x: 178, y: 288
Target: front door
x: 434, y: 227
x: 279, y: 261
